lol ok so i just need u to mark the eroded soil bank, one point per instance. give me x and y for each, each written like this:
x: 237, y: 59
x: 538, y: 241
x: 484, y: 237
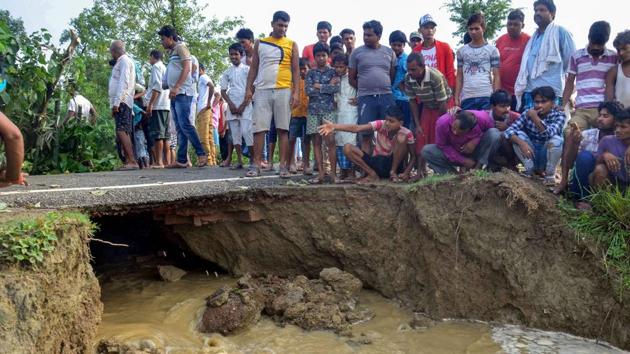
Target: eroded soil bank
x: 491, y: 248
x: 53, y: 307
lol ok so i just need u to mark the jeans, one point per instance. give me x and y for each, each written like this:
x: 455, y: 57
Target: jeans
x: 546, y: 156
x: 476, y: 103
x: 584, y: 166
x: 404, y: 107
x: 180, y: 110
x: 438, y: 162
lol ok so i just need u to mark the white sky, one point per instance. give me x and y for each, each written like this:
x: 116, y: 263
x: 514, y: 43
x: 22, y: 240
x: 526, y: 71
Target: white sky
x: 576, y: 16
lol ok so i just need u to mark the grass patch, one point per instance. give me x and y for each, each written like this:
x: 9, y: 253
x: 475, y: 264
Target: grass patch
x: 608, y: 225
x: 27, y: 241
x: 431, y: 180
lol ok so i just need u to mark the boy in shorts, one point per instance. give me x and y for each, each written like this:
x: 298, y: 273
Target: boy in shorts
x: 297, y: 127
x: 394, y: 147
x: 239, y: 113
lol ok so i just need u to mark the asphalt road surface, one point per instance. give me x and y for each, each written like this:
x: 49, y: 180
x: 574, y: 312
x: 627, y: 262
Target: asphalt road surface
x: 129, y: 188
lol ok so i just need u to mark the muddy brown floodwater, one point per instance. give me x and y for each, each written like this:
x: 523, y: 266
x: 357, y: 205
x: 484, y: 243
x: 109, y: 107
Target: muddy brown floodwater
x: 141, y: 309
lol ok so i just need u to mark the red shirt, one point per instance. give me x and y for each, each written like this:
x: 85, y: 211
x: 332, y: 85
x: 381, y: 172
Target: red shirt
x: 445, y: 61
x: 511, y: 51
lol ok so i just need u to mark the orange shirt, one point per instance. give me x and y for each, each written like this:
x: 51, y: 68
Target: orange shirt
x: 302, y: 109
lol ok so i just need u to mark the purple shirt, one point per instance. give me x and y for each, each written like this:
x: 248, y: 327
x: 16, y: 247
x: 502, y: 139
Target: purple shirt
x: 613, y: 145
x: 450, y: 144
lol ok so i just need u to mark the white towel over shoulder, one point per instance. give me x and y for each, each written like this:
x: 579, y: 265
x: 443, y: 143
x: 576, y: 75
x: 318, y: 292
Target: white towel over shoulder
x: 549, y: 53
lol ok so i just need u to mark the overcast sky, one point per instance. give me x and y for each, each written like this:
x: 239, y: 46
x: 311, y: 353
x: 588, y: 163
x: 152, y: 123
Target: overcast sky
x: 403, y: 15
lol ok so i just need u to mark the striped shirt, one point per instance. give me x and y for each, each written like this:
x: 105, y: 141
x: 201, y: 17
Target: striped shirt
x: 590, y: 76
x: 553, y: 122
x: 274, y: 70
x: 432, y: 90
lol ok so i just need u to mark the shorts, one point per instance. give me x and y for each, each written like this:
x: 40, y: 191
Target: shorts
x: 313, y: 121
x: 382, y: 165
x: 271, y: 104
x: 297, y: 128
x: 585, y: 118
x: 241, y: 129
x: 342, y: 159
x: 123, y: 119
x: 158, y: 125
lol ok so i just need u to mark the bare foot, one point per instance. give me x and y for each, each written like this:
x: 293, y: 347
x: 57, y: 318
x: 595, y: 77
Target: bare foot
x: 560, y: 188
x: 368, y: 179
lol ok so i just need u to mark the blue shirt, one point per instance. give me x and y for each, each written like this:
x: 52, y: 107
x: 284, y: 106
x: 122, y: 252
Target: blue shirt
x: 401, y: 70
x: 554, y: 76
x: 553, y: 122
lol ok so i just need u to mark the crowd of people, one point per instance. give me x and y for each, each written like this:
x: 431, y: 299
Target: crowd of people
x: 528, y: 103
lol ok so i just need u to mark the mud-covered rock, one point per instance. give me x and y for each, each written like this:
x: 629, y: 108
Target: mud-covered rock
x: 171, y: 273
x: 241, y: 310
x: 314, y: 304
x: 112, y: 346
x: 421, y: 320
x: 342, y: 282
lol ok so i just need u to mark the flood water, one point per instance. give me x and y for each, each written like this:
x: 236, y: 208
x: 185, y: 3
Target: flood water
x: 142, y: 308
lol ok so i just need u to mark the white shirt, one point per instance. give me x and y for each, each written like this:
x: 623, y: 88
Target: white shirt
x: 162, y: 103
x: 203, y: 90
x: 234, y: 80
x: 122, y: 82
x: 80, y: 105
x: 430, y: 57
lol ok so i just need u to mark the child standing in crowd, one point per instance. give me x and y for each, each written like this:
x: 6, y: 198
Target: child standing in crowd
x: 239, y: 113
x: 477, y: 68
x: 618, y: 78
x: 297, y: 126
x: 321, y: 85
x: 347, y: 113
x: 537, y: 135
x: 205, y: 89
x: 397, y: 41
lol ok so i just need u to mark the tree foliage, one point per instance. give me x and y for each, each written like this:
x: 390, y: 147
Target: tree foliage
x: 495, y: 12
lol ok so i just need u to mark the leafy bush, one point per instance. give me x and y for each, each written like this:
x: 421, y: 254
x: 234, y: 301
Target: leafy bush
x: 28, y: 241
x: 609, y: 226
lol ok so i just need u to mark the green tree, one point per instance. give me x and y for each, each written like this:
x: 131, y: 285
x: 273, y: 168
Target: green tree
x: 495, y: 12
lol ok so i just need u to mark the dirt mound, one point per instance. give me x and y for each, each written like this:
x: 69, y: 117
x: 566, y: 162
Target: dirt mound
x: 53, y: 307
x: 492, y: 248
x: 328, y: 303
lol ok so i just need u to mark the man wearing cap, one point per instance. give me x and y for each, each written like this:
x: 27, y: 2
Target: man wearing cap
x: 324, y: 28
x: 438, y: 55
x: 414, y: 39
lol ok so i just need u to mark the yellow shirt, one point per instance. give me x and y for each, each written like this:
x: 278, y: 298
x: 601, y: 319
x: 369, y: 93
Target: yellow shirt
x: 302, y: 109
x: 274, y: 70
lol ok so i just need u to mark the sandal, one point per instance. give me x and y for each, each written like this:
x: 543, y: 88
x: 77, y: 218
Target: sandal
x: 236, y: 167
x: 202, y: 161
x: 225, y: 164
x: 315, y: 180
x: 253, y: 172
x: 284, y: 173
x: 178, y: 165
x: 308, y: 171
x: 395, y: 179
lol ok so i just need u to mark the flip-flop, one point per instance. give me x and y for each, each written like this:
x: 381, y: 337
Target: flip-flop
x: 315, y: 180
x: 202, y: 161
x: 284, y: 173
x: 236, y: 167
x: 253, y: 172
x: 225, y: 164
x: 178, y: 165
x: 128, y: 168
